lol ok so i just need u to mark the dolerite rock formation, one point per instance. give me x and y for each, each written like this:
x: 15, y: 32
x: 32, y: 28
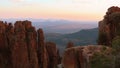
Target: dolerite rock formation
x: 70, y: 44
x: 53, y: 54
x: 42, y: 52
x: 19, y: 52
x: 31, y: 39
x: 5, y: 49
x: 109, y: 26
x: 21, y: 46
x: 80, y: 56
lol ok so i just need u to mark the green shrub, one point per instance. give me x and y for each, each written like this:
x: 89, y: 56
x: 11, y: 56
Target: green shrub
x: 116, y: 44
x: 100, y: 60
x: 116, y: 47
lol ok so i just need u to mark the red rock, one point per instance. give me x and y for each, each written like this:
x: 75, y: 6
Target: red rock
x: 5, y: 52
x: 21, y: 46
x: 70, y: 44
x: 3, y: 40
x: 69, y: 58
x: 52, y: 54
x: 79, y: 57
x: 109, y: 25
x: 31, y: 39
x: 20, y: 50
x: 42, y: 52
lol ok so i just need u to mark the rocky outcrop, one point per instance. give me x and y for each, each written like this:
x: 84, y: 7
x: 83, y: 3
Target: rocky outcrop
x: 53, y: 54
x: 31, y: 39
x: 21, y: 46
x: 19, y: 51
x: 79, y: 57
x: 94, y: 56
x: 109, y: 26
x: 5, y: 50
x: 42, y: 52
x: 70, y: 44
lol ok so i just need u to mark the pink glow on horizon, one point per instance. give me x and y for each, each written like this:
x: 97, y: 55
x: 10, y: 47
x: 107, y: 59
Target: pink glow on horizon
x: 56, y: 9
x: 28, y: 13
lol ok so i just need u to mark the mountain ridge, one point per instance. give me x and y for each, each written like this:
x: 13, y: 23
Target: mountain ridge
x: 82, y: 37
x: 58, y: 25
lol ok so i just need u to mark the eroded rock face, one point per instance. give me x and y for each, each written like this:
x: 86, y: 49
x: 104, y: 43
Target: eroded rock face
x: 42, y: 52
x: 31, y: 39
x: 20, y: 50
x: 21, y: 46
x: 3, y: 39
x: 69, y: 59
x: 5, y: 50
x: 70, y: 44
x: 79, y: 57
x: 109, y: 26
x: 53, y: 54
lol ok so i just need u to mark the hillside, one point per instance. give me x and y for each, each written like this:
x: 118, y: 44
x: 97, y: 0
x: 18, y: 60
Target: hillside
x: 64, y: 26
x: 82, y: 37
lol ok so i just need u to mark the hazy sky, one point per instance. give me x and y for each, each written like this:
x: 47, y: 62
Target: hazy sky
x: 56, y: 9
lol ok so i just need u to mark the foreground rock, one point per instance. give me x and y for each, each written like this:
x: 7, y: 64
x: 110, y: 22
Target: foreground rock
x: 19, y: 51
x: 79, y: 57
x: 5, y: 50
x: 21, y: 46
x: 53, y: 52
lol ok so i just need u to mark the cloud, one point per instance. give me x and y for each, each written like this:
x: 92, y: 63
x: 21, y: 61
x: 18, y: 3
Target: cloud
x: 77, y: 1
x: 22, y: 0
x: 82, y: 1
x: 17, y: 0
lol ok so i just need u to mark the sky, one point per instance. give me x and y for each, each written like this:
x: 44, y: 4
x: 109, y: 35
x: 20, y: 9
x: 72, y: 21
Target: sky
x: 88, y: 10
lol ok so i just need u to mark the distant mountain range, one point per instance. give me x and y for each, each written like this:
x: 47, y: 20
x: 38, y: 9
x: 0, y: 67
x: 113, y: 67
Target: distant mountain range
x: 82, y: 37
x: 64, y: 26
x: 58, y: 26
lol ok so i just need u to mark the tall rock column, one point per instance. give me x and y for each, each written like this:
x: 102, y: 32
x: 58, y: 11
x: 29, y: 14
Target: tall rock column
x: 5, y: 53
x: 3, y: 40
x: 42, y: 52
x: 19, y: 51
x: 31, y: 39
x: 53, y: 54
x: 11, y: 41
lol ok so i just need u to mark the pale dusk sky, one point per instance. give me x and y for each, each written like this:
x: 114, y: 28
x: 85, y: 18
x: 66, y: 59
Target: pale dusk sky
x: 90, y: 10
